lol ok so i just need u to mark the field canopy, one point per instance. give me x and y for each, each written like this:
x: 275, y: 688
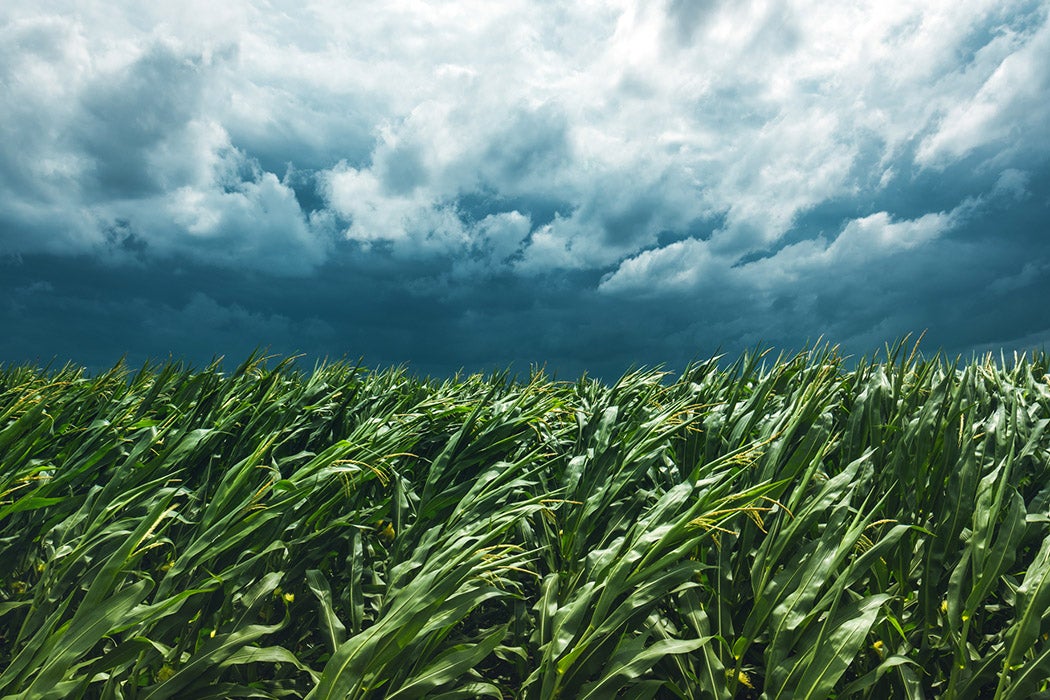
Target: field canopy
x: 767, y: 527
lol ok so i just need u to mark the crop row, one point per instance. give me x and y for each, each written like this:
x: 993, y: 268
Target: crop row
x: 776, y: 528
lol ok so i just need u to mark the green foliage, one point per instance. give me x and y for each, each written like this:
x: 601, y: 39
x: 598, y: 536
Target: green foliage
x: 789, y: 528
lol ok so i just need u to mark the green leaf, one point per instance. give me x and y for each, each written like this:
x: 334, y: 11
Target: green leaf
x: 447, y: 667
x: 335, y: 631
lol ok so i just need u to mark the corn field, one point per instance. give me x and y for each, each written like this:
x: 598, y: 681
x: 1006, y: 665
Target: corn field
x: 807, y: 526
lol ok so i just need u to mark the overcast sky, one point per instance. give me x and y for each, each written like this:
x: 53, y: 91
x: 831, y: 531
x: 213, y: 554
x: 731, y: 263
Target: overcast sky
x: 584, y: 184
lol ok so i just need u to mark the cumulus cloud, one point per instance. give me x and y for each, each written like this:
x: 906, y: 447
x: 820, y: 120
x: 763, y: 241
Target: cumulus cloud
x: 1008, y: 111
x: 625, y: 152
x: 121, y: 136
x: 691, y: 264
x: 679, y: 267
x: 642, y: 117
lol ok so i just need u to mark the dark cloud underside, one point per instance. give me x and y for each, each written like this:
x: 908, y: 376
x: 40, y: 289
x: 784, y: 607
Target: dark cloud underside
x: 589, y: 186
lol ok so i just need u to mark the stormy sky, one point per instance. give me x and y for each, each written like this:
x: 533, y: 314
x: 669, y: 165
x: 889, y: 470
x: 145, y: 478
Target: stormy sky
x: 588, y: 185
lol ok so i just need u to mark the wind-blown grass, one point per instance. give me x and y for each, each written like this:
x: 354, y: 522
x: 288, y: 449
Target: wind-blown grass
x: 781, y: 528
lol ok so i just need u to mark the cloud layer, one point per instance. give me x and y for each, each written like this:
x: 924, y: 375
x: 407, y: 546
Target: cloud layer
x: 542, y: 177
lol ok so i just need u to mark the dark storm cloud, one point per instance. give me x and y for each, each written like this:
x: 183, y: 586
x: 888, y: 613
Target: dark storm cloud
x: 963, y: 275
x: 530, y: 145
x: 192, y: 311
x: 78, y: 309
x: 309, y: 131
x: 127, y: 119
x: 118, y: 148
x: 587, y: 185
x: 401, y: 169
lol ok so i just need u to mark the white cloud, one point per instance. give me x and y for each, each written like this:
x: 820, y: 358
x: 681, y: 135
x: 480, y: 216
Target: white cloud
x: 680, y: 266
x: 494, y: 241
x: 880, y: 234
x: 359, y: 195
x: 116, y: 132
x: 862, y: 244
x: 691, y: 265
x: 501, y: 235
x: 639, y: 119
x: 1010, y: 109
x: 259, y: 220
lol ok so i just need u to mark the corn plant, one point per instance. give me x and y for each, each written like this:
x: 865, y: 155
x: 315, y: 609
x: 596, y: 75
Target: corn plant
x: 801, y: 526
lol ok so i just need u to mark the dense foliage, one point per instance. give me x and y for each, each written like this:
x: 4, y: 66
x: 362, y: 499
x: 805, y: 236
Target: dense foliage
x: 798, y: 527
